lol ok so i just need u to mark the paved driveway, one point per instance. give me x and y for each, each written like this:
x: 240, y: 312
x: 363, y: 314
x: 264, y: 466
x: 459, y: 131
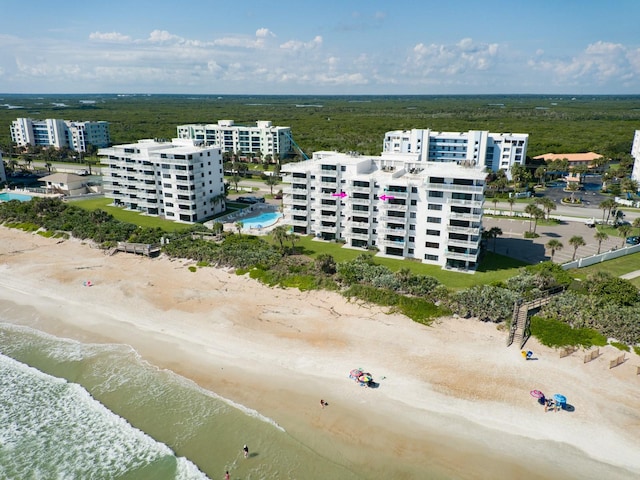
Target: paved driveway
x: 532, y: 250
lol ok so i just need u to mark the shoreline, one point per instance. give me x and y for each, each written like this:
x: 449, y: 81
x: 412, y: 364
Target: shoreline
x: 453, y: 401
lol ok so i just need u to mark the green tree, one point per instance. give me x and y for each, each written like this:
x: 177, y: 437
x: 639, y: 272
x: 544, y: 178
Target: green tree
x: 541, y: 174
x: 280, y: 234
x: 511, y: 201
x: 600, y: 237
x: 576, y: 242
x: 636, y: 224
x: 272, y: 181
x: 573, y: 187
x: 553, y: 246
x: 547, y: 204
x: 235, y: 179
x: 239, y: 224
x: 607, y: 207
x: 492, y: 233
x: 624, y: 231
x: 535, y: 213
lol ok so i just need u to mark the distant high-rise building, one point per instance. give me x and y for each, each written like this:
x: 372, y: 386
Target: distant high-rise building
x: 57, y: 133
x: 180, y: 180
x: 261, y: 139
x: 635, y: 153
x: 493, y: 151
x: 3, y: 174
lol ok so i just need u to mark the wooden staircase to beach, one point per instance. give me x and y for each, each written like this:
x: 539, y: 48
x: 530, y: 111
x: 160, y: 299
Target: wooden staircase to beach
x: 520, y: 330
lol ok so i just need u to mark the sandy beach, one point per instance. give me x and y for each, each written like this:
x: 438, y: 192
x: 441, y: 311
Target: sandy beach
x: 452, y: 399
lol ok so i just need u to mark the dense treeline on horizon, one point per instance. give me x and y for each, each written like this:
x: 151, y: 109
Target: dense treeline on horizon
x: 555, y: 123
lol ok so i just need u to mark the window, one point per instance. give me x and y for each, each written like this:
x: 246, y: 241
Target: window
x: 436, y: 194
x: 432, y: 245
x: 433, y: 232
x: 414, y: 203
x: 434, y: 220
x: 431, y: 257
x: 434, y: 206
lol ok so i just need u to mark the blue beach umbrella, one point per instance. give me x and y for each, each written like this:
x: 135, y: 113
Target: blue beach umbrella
x: 561, y: 399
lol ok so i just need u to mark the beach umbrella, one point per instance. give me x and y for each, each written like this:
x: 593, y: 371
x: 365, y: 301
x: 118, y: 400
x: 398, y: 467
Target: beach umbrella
x: 536, y: 394
x: 365, y: 378
x: 561, y: 399
x: 356, y: 372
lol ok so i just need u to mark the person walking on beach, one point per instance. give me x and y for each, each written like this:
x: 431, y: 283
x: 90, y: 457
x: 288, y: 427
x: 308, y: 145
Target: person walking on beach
x: 227, y: 476
x: 322, y: 403
x: 246, y: 451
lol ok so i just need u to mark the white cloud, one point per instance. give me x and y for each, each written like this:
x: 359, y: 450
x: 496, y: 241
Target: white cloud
x: 162, y: 36
x: 109, y: 37
x: 598, y: 64
x: 297, y: 45
x: 456, y: 59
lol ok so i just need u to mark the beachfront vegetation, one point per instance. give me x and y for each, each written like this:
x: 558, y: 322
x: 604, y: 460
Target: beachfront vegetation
x: 602, y: 302
x: 555, y: 333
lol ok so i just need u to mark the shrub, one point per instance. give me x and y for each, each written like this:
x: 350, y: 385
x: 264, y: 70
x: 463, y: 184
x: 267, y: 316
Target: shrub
x: 554, y: 333
x: 193, y: 268
x: 621, y: 346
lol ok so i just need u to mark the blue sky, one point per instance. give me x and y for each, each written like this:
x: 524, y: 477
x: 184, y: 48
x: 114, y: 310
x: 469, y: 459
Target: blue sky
x: 320, y: 47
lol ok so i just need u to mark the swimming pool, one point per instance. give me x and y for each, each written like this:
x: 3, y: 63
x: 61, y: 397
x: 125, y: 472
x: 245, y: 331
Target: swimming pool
x: 5, y: 197
x: 263, y: 220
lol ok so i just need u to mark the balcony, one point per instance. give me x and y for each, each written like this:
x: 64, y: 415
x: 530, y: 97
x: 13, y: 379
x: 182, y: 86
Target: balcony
x: 395, y: 194
x: 465, y: 203
x: 353, y: 188
x: 358, y: 236
x: 294, y: 190
x: 387, y: 218
x: 463, y: 243
x: 449, y: 187
x: 298, y: 223
x: 390, y: 243
x: 398, y: 232
x: 359, y: 201
x: 466, y: 216
x: 462, y: 256
x: 464, y: 230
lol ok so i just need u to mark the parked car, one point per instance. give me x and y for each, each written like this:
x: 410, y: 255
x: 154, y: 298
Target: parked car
x: 250, y: 200
x: 633, y: 240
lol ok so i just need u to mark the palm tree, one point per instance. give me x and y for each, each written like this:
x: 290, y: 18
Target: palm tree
x: 628, y: 186
x: 217, y: 228
x: 235, y: 179
x: 600, y: 237
x: 541, y: 174
x: 280, y: 235
x: 511, y: 201
x: 495, y: 205
x: 272, y: 181
x: 624, y: 230
x: 547, y: 204
x: 220, y: 198
x: 293, y: 238
x: 636, y: 224
x: 607, y: 207
x: 554, y: 245
x: 573, y: 187
x: 492, y: 233
x: 239, y: 224
x: 576, y: 241
x: 535, y: 213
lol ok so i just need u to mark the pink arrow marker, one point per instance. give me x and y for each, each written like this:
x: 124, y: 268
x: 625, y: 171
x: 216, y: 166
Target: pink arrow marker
x: 386, y: 197
x: 341, y: 194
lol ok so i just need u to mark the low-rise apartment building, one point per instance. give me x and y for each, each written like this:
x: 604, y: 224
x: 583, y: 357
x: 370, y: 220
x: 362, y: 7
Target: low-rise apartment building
x: 57, y: 133
x: 180, y: 180
x: 398, y: 203
x: 261, y: 139
x: 493, y: 151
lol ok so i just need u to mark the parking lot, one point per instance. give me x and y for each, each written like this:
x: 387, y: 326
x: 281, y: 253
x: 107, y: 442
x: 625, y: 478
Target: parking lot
x: 532, y: 250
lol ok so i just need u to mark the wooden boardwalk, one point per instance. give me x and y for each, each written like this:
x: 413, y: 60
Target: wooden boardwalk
x: 138, y: 248
x: 520, y: 324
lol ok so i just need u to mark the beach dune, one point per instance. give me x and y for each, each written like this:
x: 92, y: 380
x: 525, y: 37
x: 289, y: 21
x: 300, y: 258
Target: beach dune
x: 452, y: 399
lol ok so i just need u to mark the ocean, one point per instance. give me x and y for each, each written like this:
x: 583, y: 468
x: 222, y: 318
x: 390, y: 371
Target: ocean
x: 71, y: 410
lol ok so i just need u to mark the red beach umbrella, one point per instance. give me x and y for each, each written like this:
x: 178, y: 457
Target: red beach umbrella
x: 536, y: 394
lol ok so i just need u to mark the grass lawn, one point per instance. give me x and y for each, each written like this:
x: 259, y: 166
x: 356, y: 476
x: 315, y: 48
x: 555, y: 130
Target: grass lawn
x: 492, y: 269
x: 616, y: 267
x: 129, y: 216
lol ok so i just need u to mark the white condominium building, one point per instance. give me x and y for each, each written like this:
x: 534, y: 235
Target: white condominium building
x: 179, y: 180
x: 635, y: 153
x: 57, y: 133
x: 397, y: 202
x: 493, y: 151
x: 263, y: 138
